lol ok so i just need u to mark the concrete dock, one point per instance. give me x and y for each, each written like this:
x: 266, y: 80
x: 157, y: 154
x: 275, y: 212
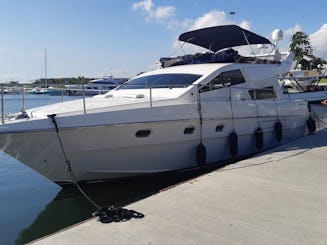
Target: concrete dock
x: 279, y: 197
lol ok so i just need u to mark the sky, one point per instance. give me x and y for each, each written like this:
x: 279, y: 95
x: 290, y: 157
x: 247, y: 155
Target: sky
x: 95, y: 38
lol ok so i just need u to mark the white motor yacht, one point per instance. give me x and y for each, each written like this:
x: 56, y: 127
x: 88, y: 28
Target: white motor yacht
x: 95, y: 86
x: 198, y: 110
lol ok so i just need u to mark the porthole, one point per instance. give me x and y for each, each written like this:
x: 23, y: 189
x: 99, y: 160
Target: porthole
x: 189, y: 130
x: 143, y: 133
x: 219, y: 128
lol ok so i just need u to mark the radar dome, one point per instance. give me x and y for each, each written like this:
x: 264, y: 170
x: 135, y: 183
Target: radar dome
x: 277, y: 35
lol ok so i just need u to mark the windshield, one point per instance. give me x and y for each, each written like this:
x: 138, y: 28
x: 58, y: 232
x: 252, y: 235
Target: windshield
x: 161, y: 81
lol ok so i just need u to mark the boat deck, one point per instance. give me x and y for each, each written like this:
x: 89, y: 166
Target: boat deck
x: 279, y: 197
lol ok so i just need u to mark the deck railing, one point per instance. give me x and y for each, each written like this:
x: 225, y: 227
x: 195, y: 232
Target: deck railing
x: 233, y: 94
x: 2, y: 107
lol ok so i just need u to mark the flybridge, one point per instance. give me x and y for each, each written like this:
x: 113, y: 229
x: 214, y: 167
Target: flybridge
x: 219, y: 40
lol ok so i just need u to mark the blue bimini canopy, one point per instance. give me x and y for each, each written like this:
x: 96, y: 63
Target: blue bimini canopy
x: 221, y: 37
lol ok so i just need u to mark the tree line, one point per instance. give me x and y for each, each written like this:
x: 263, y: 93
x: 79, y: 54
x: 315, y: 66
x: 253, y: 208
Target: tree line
x: 303, y: 52
x: 66, y: 80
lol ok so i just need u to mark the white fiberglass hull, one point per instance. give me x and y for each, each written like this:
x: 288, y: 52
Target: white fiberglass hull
x: 114, y: 151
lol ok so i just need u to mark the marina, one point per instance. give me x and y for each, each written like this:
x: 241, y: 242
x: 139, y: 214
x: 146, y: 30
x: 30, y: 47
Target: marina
x: 278, y: 197
x: 33, y: 207
x: 50, y: 208
x: 180, y: 123
x: 194, y: 115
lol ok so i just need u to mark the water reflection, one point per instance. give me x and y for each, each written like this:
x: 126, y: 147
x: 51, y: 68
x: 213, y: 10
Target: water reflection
x: 70, y: 206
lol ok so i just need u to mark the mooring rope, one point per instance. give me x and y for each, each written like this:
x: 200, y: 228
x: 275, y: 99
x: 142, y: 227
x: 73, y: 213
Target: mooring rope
x: 105, y: 214
x: 69, y: 167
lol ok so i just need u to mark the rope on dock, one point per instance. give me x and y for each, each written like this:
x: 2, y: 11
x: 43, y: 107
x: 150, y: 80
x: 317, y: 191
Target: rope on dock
x: 113, y: 214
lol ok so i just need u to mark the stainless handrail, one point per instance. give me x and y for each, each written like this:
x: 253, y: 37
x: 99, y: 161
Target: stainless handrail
x: 2, y: 106
x: 23, y: 97
x: 233, y: 90
x: 83, y: 93
x: 150, y: 96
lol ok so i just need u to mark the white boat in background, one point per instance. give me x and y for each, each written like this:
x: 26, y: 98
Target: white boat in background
x: 305, y: 85
x: 11, y: 90
x: 49, y: 90
x: 37, y: 90
x: 96, y: 86
x: 205, y: 109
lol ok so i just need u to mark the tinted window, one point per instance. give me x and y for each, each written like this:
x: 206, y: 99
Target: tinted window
x: 224, y: 79
x: 161, y: 81
x: 264, y: 93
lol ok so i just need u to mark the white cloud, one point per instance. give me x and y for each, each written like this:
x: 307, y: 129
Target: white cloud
x: 291, y: 31
x: 160, y: 14
x: 166, y: 15
x: 145, y: 5
x: 166, y: 12
x: 319, y: 40
x: 245, y: 24
x: 212, y: 18
x: 175, y: 24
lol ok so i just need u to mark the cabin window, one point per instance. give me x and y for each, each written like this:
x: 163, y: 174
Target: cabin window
x: 189, y: 130
x: 172, y: 80
x: 224, y: 79
x: 143, y: 133
x: 263, y: 93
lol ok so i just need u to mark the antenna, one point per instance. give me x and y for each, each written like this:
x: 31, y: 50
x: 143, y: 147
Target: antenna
x: 232, y: 13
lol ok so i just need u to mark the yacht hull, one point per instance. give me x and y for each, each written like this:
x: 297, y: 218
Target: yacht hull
x: 114, y: 151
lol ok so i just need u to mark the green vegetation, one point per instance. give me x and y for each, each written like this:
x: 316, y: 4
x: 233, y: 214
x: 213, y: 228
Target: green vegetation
x: 56, y: 82
x: 63, y: 81
x: 303, y: 51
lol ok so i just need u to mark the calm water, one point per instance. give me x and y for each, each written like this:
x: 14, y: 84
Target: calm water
x: 32, y: 206
x: 23, y: 193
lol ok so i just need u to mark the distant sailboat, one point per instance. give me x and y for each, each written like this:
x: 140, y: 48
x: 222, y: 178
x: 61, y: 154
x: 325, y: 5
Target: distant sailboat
x: 45, y: 89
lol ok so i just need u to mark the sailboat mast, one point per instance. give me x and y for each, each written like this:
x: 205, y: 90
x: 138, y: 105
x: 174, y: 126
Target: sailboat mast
x: 45, y: 68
